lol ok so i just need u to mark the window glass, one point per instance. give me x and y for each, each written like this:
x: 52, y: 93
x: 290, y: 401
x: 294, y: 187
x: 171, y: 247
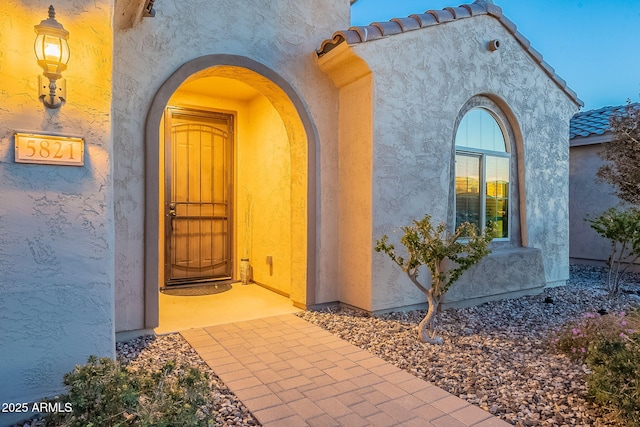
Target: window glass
x: 482, y: 168
x: 497, y: 194
x: 478, y: 129
x: 468, y: 189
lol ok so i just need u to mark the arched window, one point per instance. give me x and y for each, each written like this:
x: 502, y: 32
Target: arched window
x: 482, y: 172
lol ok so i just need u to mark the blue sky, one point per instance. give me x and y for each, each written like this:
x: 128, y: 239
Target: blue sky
x: 592, y: 44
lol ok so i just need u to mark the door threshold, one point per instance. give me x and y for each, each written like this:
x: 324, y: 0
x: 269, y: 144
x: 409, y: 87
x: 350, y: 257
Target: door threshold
x: 196, y: 283
x: 203, y: 289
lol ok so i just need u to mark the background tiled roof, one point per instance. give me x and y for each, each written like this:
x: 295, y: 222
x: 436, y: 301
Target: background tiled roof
x: 377, y: 30
x: 594, y: 122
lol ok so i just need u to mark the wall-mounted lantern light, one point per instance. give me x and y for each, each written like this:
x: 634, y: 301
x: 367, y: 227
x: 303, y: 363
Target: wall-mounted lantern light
x: 52, y: 51
x: 149, y: 11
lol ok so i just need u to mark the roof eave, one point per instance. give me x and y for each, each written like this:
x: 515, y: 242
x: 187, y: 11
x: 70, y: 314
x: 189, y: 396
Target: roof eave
x: 377, y: 30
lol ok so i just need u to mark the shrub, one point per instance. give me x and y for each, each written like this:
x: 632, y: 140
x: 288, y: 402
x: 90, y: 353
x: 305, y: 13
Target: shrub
x: 615, y: 379
x: 105, y: 393
x: 622, y: 228
x: 610, y: 347
x: 575, y: 339
x: 447, y: 255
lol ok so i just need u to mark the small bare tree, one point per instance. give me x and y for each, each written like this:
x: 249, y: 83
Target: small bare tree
x: 446, y: 254
x: 622, y: 155
x: 622, y: 227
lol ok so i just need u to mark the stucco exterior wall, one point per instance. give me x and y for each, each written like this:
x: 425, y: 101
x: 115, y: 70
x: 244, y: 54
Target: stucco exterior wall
x: 264, y: 169
x: 356, y: 150
x: 588, y: 197
x: 56, y: 222
x: 282, y: 36
x: 421, y: 81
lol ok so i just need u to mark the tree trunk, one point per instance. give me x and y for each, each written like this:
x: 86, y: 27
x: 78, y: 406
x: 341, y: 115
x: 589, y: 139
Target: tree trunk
x: 611, y: 263
x: 427, y: 327
x: 616, y: 280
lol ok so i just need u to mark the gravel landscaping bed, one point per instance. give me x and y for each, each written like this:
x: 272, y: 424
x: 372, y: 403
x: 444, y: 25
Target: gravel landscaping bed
x: 497, y: 356
x: 152, y: 352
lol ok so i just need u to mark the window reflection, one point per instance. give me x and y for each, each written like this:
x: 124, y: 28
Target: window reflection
x: 478, y: 129
x: 497, y: 194
x: 482, y: 167
x: 468, y: 189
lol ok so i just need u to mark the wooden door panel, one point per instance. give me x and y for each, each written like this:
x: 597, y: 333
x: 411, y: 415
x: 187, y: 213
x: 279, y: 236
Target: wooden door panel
x: 199, y: 193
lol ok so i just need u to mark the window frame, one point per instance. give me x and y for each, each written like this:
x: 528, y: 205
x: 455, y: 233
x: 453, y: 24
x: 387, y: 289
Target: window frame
x: 483, y: 154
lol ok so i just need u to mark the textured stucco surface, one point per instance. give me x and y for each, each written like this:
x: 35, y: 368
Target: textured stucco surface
x: 56, y: 222
x: 588, y: 197
x: 354, y: 80
x: 504, y: 272
x: 355, y: 192
x: 265, y: 168
x: 280, y: 35
x: 421, y: 81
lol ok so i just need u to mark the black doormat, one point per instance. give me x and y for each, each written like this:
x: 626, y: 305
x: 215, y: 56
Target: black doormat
x: 198, y: 290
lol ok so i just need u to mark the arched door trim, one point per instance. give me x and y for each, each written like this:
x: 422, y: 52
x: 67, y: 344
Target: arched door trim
x: 151, y: 137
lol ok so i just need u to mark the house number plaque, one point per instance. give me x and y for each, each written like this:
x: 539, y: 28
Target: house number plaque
x: 49, y: 149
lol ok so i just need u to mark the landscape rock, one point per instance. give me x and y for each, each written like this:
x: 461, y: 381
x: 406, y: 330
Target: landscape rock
x: 500, y: 350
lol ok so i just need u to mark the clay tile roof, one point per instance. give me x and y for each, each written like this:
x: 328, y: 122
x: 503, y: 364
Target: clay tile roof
x: 377, y: 30
x: 388, y: 28
x: 475, y: 8
x: 459, y: 12
x: 595, y: 122
x: 425, y: 19
x: 407, y: 24
x: 442, y: 16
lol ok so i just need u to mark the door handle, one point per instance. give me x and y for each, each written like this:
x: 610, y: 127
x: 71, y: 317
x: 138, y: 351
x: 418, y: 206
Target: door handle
x: 171, y: 214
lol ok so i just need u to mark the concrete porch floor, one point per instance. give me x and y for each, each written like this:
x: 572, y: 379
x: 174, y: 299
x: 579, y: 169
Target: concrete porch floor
x: 241, y: 303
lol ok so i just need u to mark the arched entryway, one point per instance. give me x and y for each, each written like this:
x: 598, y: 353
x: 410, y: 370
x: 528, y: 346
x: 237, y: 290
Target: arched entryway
x: 273, y: 163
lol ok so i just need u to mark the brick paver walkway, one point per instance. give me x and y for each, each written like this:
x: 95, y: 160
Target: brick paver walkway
x: 289, y: 372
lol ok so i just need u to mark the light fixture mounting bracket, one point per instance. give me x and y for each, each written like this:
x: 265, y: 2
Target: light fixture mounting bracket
x: 45, y: 95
